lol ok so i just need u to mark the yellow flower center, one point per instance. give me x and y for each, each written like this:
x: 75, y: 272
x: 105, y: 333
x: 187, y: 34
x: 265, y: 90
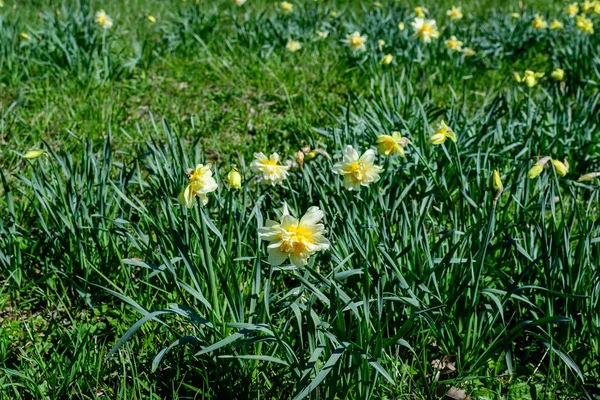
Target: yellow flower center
x: 358, y: 171
x: 355, y: 41
x: 426, y: 30
x: 297, y: 244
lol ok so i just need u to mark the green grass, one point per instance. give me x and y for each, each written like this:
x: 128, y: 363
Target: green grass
x: 111, y: 289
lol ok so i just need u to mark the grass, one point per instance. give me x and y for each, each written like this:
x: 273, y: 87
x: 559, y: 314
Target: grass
x: 111, y: 289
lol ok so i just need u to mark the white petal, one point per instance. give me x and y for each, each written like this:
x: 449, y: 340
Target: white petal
x: 313, y: 216
x: 368, y: 157
x: 350, y: 155
x: 276, y: 256
x: 299, y: 260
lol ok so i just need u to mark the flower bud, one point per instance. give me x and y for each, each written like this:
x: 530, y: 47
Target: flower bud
x: 560, y: 168
x: 535, y: 171
x: 234, y: 179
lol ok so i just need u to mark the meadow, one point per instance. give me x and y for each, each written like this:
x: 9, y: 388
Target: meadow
x: 307, y: 199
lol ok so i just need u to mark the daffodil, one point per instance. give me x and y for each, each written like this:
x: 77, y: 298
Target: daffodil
x: 401, y: 26
x: 269, y: 168
x: 573, y: 9
x: 104, y: 20
x: 588, y: 177
x: 380, y: 44
x: 25, y: 36
x: 530, y: 78
x: 455, y: 13
x: 239, y: 2
x: 587, y: 6
x: 497, y: 185
x: 293, y: 238
x: 357, y: 171
x: 201, y: 182
x: 585, y: 25
x: 597, y: 7
x: 558, y: 74
x: 425, y: 29
x: 515, y: 15
x: 234, y: 179
x: 535, y: 171
x: 1, y: 4
x: 453, y: 44
x: 293, y: 46
x: 151, y: 18
x: 286, y: 7
x: 441, y: 134
x: 561, y: 168
x: 539, y: 22
x: 468, y: 52
x: 322, y: 34
x: 556, y: 24
x: 421, y: 12
x: 31, y: 154
x: 356, y: 41
x: 390, y: 144
x: 387, y: 59
x: 538, y: 167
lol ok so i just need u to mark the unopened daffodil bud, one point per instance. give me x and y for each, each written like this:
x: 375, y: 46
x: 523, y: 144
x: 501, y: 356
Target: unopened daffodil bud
x: 561, y: 168
x: 588, y: 177
x: 31, y: 154
x: 535, y: 171
x: 496, y: 181
x: 497, y: 185
x: 234, y: 179
x: 558, y: 74
x: 151, y: 18
x: 387, y: 59
x: 311, y: 156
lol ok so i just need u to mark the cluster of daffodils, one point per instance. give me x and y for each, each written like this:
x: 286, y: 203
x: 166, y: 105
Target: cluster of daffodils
x: 585, y: 25
x: 293, y: 238
x: 201, y: 183
x: 561, y: 167
x: 539, y: 22
x: 529, y: 78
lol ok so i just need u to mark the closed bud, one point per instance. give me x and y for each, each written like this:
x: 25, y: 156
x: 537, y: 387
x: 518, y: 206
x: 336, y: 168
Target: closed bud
x: 234, y: 179
x: 535, y: 171
x: 387, y: 59
x: 31, y: 154
x: 497, y: 185
x: 558, y: 74
x: 560, y: 167
x: 496, y: 181
x: 588, y: 177
x: 300, y: 158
